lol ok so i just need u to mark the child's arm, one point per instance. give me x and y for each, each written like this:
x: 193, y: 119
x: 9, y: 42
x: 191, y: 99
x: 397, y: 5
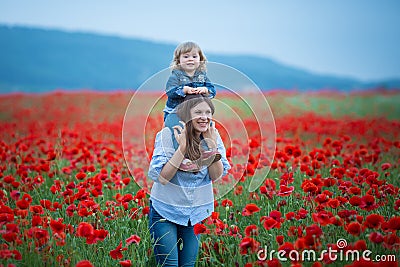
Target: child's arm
x: 211, y: 89
x: 208, y: 88
x: 175, y: 90
x: 189, y: 90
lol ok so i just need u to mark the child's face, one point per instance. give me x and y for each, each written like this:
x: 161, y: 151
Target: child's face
x: 190, y: 61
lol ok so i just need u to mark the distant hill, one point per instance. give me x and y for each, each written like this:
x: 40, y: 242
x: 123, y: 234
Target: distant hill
x: 37, y: 60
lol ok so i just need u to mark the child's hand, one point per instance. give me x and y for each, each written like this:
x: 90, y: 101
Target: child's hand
x: 189, y: 90
x: 202, y: 90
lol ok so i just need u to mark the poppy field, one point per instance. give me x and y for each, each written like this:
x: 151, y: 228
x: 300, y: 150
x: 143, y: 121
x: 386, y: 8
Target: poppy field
x: 331, y: 191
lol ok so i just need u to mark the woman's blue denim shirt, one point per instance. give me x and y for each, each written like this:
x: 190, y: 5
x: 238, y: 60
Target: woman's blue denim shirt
x: 177, y: 80
x: 187, y: 196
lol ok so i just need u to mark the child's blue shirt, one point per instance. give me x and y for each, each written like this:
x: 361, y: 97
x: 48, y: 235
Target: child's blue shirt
x: 178, y: 80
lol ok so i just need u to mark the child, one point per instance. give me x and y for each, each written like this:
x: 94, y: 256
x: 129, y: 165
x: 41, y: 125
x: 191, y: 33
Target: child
x: 188, y: 77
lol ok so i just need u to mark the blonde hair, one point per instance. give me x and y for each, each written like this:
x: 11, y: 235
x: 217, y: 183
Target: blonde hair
x: 186, y: 47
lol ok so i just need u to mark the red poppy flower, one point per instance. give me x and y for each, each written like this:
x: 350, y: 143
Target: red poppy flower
x: 333, y: 203
x: 354, y: 190
x: 277, y: 215
x: 309, y: 187
x: 132, y: 239
x: 85, y: 230
x: 250, y: 209
x: 227, y: 203
x: 270, y: 223
x: 314, y: 231
x: 290, y: 215
x: 368, y: 203
x: 98, y: 235
x: 57, y: 226
x: 354, y: 228
x: 10, y: 236
x: 273, y: 263
x: 126, y: 263
x: 301, y: 214
x: 84, y: 263
x: 391, y: 241
x: 46, y: 204
x: 80, y: 176
x: 386, y: 166
x: 279, y: 239
x: 36, y: 209
x: 360, y: 245
x: 247, y: 244
x: 234, y: 231
x: 24, y: 202
x: 71, y: 209
x: 251, y: 230
x: 285, y: 190
x: 373, y: 221
x: 117, y: 252
x: 15, y: 195
x: 355, y: 201
x: 199, y: 228
x: 394, y: 223
x: 287, y: 247
x: 323, y: 217
x: 376, y: 237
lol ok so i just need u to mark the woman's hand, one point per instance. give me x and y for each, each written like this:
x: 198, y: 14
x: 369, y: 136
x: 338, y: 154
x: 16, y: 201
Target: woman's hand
x: 180, y: 136
x: 210, y: 136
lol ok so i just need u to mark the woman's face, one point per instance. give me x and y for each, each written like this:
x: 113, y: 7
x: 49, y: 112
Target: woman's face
x: 201, y: 115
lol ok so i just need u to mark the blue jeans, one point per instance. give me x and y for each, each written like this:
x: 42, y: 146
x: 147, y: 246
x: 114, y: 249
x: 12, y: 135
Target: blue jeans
x: 174, y: 245
x: 171, y: 120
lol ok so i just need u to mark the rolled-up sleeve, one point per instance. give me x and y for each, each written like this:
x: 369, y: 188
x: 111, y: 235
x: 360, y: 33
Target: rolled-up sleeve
x: 163, y: 151
x: 211, y: 89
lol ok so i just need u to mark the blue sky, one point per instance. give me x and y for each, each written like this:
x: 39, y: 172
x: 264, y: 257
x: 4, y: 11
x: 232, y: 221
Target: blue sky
x: 354, y: 38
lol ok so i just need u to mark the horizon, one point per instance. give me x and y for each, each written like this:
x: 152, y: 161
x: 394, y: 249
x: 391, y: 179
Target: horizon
x: 356, y: 40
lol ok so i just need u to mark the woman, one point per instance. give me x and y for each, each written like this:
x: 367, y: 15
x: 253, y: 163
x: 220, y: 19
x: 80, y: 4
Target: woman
x: 180, y: 199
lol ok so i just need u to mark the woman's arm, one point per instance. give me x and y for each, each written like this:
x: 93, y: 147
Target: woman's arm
x: 215, y: 170
x: 171, y: 167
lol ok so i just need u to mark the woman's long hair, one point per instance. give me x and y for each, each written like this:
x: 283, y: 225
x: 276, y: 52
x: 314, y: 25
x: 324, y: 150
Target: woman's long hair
x: 183, y: 111
x: 185, y: 48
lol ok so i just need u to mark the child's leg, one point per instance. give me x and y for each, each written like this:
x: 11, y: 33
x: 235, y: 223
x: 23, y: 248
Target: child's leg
x: 170, y: 121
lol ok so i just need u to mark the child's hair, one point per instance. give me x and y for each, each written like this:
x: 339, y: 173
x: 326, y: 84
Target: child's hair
x: 184, y: 48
